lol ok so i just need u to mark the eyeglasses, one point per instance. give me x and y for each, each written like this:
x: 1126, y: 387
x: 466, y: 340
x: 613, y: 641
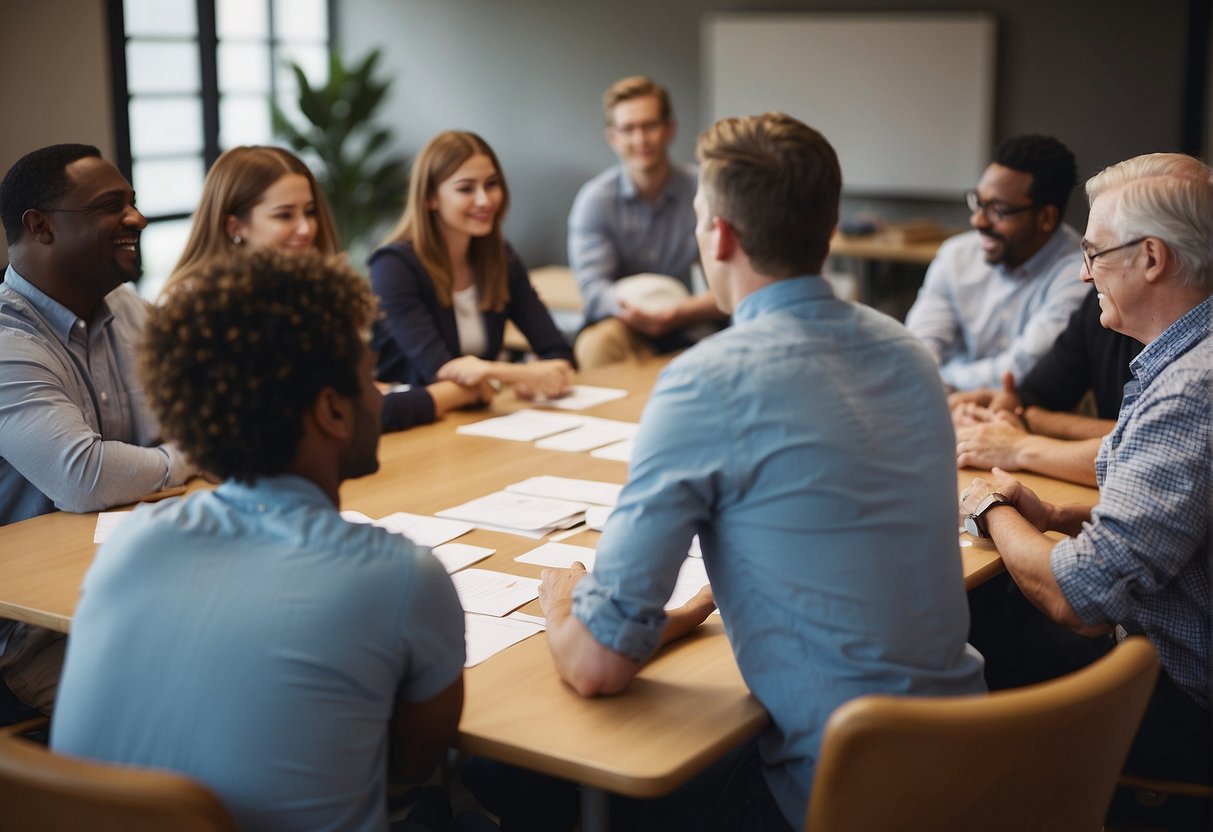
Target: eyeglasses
x: 994, y: 211
x: 1088, y: 257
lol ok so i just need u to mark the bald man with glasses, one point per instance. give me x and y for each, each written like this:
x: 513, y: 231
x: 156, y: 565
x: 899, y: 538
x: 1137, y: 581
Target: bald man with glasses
x: 996, y: 298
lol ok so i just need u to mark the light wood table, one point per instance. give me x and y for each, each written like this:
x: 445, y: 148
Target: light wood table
x: 684, y: 710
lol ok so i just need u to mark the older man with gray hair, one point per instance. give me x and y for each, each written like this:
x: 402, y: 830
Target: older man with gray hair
x: 1138, y: 560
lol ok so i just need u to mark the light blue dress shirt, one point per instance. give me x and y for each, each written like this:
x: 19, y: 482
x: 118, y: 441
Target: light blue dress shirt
x: 1142, y: 562
x: 810, y: 448
x: 615, y: 233
x: 252, y: 639
x: 73, y: 423
x: 981, y: 321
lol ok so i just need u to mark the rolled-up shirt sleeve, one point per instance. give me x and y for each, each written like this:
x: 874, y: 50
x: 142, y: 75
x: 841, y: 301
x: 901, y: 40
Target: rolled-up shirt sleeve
x: 675, y: 466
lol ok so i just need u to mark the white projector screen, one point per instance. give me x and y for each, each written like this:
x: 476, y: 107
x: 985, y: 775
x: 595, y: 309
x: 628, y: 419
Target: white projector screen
x: 907, y: 100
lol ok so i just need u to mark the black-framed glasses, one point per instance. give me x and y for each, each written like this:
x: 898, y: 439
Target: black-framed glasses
x: 1088, y: 257
x: 995, y: 211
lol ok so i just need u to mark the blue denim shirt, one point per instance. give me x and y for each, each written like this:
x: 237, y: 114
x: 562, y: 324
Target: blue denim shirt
x: 810, y: 448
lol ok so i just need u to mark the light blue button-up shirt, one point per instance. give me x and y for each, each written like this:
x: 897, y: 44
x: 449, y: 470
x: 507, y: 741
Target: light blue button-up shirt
x: 810, y: 448
x: 73, y: 423
x: 614, y: 233
x: 981, y: 320
x: 252, y: 639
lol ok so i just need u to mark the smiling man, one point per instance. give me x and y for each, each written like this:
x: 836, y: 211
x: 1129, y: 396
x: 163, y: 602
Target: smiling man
x: 635, y: 218
x: 74, y: 432
x: 996, y: 298
x: 1138, y: 560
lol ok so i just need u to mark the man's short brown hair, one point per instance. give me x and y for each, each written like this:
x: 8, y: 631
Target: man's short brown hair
x: 635, y: 86
x: 777, y: 182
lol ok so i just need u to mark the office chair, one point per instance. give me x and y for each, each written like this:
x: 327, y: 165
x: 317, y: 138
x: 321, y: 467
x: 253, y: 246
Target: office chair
x: 48, y: 792
x: 1042, y: 757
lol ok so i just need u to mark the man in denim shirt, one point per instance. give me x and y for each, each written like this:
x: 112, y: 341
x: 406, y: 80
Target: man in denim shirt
x: 809, y: 446
x: 1138, y: 560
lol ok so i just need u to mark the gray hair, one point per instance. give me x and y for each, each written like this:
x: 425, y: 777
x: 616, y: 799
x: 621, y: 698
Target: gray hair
x: 1168, y: 196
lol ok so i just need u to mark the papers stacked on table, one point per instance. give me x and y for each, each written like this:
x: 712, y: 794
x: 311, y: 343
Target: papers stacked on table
x: 559, y: 556
x: 620, y: 451
x: 592, y: 433
x: 493, y: 593
x: 555, y: 431
x: 582, y: 396
x: 486, y: 635
x: 568, y: 488
x: 503, y: 511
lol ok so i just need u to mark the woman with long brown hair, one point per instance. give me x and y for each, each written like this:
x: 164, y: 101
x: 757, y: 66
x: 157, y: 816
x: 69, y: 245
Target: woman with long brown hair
x: 448, y: 281
x: 259, y: 197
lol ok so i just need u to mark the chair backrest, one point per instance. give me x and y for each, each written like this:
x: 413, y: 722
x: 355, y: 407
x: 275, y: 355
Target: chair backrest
x: 44, y: 791
x: 1042, y: 757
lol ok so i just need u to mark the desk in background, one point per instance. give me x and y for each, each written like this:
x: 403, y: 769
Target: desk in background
x: 887, y: 267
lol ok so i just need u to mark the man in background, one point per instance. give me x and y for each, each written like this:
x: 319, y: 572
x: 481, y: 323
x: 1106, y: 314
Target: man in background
x: 995, y: 298
x: 635, y: 218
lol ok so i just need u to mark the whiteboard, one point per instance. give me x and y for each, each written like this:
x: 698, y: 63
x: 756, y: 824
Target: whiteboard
x: 907, y: 100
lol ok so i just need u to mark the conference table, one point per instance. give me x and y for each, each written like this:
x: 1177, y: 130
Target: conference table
x: 685, y: 708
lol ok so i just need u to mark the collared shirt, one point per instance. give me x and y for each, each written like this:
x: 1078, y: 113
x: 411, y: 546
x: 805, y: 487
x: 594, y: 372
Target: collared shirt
x: 981, y: 320
x: 810, y: 448
x: 615, y: 233
x: 252, y: 639
x: 1141, y: 563
x: 73, y: 423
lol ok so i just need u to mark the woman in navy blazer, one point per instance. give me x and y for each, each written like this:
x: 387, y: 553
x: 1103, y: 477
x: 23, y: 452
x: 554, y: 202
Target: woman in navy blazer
x: 447, y: 281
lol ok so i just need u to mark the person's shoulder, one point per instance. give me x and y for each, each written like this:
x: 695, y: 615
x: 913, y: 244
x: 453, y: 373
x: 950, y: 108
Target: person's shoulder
x: 602, y: 188
x: 400, y: 250
x: 959, y: 245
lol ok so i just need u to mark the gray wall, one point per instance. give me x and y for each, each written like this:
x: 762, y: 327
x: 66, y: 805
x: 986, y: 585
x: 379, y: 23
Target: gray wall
x: 1105, y: 76
x: 54, y: 57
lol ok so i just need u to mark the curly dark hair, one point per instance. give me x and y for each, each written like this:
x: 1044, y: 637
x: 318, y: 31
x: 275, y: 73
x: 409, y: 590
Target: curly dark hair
x: 1054, y: 171
x: 35, y: 181
x: 237, y: 351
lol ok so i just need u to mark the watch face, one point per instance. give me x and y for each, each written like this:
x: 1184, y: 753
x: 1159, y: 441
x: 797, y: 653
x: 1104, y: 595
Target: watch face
x: 973, y: 526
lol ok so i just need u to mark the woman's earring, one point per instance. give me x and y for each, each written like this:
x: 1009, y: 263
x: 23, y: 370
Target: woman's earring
x: 236, y: 239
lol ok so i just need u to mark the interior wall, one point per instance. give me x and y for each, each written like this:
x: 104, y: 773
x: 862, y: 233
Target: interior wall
x: 54, y: 57
x: 1105, y: 76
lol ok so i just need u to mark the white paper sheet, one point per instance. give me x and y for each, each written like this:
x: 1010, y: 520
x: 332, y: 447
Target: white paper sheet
x: 568, y: 488
x: 423, y: 529
x: 107, y: 521
x: 508, y: 511
x: 691, y: 578
x: 522, y: 425
x: 456, y: 556
x: 588, y: 437
x: 596, y: 516
x: 493, y: 593
x: 582, y: 396
x: 486, y: 635
x: 620, y: 451
x: 559, y: 556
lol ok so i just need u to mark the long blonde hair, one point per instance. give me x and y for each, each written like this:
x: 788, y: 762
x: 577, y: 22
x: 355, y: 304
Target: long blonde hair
x: 437, y: 162
x: 234, y: 185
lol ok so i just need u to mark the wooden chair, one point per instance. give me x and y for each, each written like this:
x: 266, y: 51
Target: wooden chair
x: 1044, y: 757
x: 48, y: 792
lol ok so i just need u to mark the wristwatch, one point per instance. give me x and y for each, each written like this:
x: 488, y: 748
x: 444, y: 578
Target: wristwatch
x: 975, y: 523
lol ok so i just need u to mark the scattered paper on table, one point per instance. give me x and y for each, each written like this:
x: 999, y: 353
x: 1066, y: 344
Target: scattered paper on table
x: 419, y: 528
x: 107, y: 521
x: 522, y: 425
x: 559, y: 556
x: 456, y: 556
x: 593, y: 434
x: 582, y: 396
x: 493, y: 593
x: 509, y: 512
x: 620, y: 451
x: 691, y: 578
x: 596, y: 516
x: 568, y: 488
x: 486, y: 636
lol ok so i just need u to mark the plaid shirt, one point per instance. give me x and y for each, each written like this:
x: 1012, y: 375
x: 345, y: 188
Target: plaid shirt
x: 1142, y: 561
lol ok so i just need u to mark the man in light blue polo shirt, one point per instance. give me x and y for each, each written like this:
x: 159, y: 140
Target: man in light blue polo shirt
x: 635, y: 218
x: 810, y: 448
x: 249, y: 637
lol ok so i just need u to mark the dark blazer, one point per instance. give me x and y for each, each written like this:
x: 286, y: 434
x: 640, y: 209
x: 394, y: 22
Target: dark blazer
x: 416, y: 334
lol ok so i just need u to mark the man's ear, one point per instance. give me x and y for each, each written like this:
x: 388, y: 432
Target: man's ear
x: 1159, y: 259
x: 332, y: 414
x: 1050, y: 218
x: 724, y: 240
x: 38, y: 225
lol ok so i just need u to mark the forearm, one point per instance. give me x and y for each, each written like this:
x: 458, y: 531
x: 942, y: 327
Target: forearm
x: 1073, y: 461
x: 1061, y: 425
x: 588, y: 667
x: 448, y: 396
x: 1027, y: 555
